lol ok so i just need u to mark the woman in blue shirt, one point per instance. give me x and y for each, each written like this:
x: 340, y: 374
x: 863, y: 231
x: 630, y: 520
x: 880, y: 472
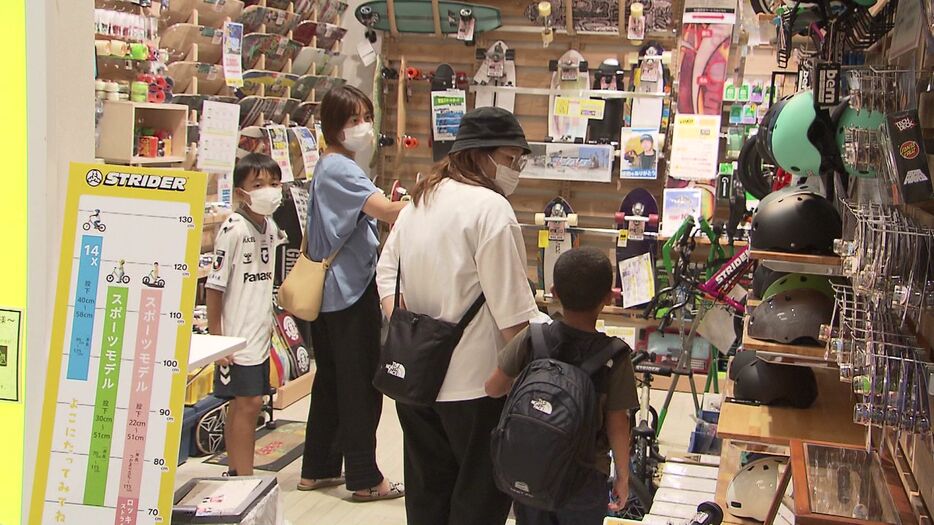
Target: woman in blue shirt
x: 342, y: 212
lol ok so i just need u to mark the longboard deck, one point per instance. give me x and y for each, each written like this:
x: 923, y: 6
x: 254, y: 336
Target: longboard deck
x: 634, y: 200
x: 560, y: 240
x: 180, y: 39
x: 497, y: 69
x: 324, y: 35
x: 442, y: 80
x: 416, y: 16
x: 321, y: 84
x: 268, y: 108
x: 277, y: 84
x: 322, y: 61
x: 196, y: 102
x: 567, y: 76
x: 594, y: 16
x: 277, y: 49
x: 302, y: 7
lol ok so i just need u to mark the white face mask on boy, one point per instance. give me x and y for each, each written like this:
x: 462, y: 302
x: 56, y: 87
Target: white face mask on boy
x: 506, y: 178
x: 358, y: 137
x: 265, y: 201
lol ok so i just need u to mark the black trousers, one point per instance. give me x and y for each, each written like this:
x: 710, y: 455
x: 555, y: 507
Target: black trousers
x: 448, y: 469
x: 345, y: 408
x: 587, y: 507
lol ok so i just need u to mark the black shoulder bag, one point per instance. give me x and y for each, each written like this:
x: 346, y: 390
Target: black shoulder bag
x: 415, y: 357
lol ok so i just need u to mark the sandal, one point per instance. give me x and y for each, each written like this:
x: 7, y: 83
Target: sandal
x: 396, y: 490
x: 320, y: 484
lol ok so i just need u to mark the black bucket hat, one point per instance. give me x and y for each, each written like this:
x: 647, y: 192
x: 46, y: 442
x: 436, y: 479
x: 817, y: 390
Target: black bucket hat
x: 489, y: 128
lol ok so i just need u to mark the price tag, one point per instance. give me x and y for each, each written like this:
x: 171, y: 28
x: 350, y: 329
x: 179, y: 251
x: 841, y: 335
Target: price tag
x: 543, y: 239
x: 623, y: 239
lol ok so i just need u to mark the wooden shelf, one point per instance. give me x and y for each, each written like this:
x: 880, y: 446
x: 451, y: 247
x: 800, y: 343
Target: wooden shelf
x: 626, y: 316
x: 157, y: 160
x: 829, y: 420
x: 813, y: 352
x: 799, y: 263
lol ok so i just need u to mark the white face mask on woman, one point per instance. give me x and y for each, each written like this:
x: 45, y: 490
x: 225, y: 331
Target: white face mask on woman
x: 359, y: 137
x: 265, y: 201
x: 506, y: 178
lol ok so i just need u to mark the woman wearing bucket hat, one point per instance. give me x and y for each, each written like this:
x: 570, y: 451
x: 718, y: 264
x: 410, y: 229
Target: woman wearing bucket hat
x: 460, y: 238
x: 343, y: 208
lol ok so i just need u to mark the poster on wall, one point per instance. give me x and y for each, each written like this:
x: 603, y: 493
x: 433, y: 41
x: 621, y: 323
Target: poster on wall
x: 115, y: 387
x: 447, y: 109
x: 677, y: 205
x: 697, y: 141
x: 11, y: 332
x: 639, y: 153
x: 704, y: 52
x: 573, y: 162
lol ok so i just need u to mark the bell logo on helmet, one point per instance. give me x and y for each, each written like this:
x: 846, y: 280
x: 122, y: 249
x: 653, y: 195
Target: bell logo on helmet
x: 396, y: 370
x: 542, y: 406
x: 914, y: 177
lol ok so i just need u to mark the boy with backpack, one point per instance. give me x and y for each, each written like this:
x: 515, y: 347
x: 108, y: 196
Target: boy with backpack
x: 571, y: 392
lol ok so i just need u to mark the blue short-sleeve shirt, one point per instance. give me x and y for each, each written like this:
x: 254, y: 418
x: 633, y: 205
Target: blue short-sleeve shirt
x: 335, y: 215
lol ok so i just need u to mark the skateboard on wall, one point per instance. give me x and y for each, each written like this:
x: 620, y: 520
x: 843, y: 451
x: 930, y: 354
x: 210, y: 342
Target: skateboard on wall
x: 302, y: 8
x: 269, y: 109
x: 277, y: 84
x: 609, y: 76
x: 277, y: 49
x: 330, y: 10
x: 638, y: 216
x: 210, y: 77
x: 324, y: 35
x: 303, y: 115
x: 443, y: 80
x: 277, y: 21
x: 416, y: 16
x: 556, y: 221
x: 569, y: 72
x: 211, y: 13
x: 314, y: 61
x: 320, y: 84
x: 497, y: 69
x: 180, y: 39
x: 253, y: 139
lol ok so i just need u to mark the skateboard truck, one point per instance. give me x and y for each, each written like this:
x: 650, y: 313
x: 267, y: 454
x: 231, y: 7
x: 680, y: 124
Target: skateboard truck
x: 385, y: 140
x: 497, y: 60
x: 369, y: 18
x: 636, y: 225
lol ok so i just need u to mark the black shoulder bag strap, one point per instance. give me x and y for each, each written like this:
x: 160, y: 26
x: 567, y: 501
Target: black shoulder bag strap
x: 540, y: 349
x: 615, y: 347
x: 468, y: 316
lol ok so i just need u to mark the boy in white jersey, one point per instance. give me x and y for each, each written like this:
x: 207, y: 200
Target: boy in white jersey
x: 239, y: 301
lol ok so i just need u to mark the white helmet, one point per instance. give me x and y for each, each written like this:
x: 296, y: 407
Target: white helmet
x: 753, y: 488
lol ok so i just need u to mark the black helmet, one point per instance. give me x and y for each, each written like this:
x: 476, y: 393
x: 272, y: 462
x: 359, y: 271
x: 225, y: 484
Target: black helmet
x: 772, y: 383
x: 797, y: 223
x: 791, y: 317
x: 762, y: 278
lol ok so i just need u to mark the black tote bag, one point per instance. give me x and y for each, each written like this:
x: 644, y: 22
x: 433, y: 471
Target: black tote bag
x: 415, y: 357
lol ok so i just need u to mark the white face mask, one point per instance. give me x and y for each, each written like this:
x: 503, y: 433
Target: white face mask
x: 506, y: 178
x: 359, y: 137
x: 265, y: 201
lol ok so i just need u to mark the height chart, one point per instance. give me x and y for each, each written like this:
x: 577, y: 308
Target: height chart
x: 112, y: 410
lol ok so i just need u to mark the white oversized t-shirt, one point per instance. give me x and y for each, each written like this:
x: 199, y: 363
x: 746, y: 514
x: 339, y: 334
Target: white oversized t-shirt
x: 243, y: 270
x: 464, y: 240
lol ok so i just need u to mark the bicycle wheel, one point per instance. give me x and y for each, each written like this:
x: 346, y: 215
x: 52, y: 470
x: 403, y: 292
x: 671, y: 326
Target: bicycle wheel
x: 638, y: 503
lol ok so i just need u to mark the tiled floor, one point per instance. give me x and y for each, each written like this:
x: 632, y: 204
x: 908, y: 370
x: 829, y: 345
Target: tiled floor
x: 333, y: 506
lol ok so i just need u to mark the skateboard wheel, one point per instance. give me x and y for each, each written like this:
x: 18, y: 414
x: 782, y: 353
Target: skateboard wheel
x: 572, y: 219
x: 539, y: 219
x: 466, y: 13
x: 410, y: 142
x: 636, y: 9
x: 366, y: 10
x: 544, y: 9
x: 666, y: 58
x: 540, y: 296
x: 653, y: 219
x: 411, y: 73
x: 620, y: 218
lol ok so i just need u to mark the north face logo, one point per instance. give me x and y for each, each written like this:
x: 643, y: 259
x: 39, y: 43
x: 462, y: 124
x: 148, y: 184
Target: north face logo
x: 914, y: 177
x: 396, y: 370
x: 542, y: 406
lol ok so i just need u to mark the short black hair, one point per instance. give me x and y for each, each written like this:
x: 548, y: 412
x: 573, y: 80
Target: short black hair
x: 255, y: 163
x: 337, y: 107
x: 583, y: 277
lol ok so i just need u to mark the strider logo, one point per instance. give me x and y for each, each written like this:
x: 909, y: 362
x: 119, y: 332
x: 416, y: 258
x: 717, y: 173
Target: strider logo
x: 257, y: 277
x: 135, y: 180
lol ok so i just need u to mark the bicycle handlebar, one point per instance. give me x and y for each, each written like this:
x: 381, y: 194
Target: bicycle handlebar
x: 653, y: 369
x: 638, y: 357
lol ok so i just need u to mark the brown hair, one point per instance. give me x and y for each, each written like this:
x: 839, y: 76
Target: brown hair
x: 463, y: 166
x: 337, y: 107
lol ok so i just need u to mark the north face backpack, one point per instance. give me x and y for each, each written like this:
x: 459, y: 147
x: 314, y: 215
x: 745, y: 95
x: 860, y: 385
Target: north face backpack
x: 544, y: 442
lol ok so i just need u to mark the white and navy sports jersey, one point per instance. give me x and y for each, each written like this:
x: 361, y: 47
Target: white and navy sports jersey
x: 244, y: 258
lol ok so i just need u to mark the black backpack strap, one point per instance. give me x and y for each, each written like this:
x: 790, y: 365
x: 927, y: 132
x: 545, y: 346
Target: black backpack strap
x: 616, y: 347
x: 540, y: 349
